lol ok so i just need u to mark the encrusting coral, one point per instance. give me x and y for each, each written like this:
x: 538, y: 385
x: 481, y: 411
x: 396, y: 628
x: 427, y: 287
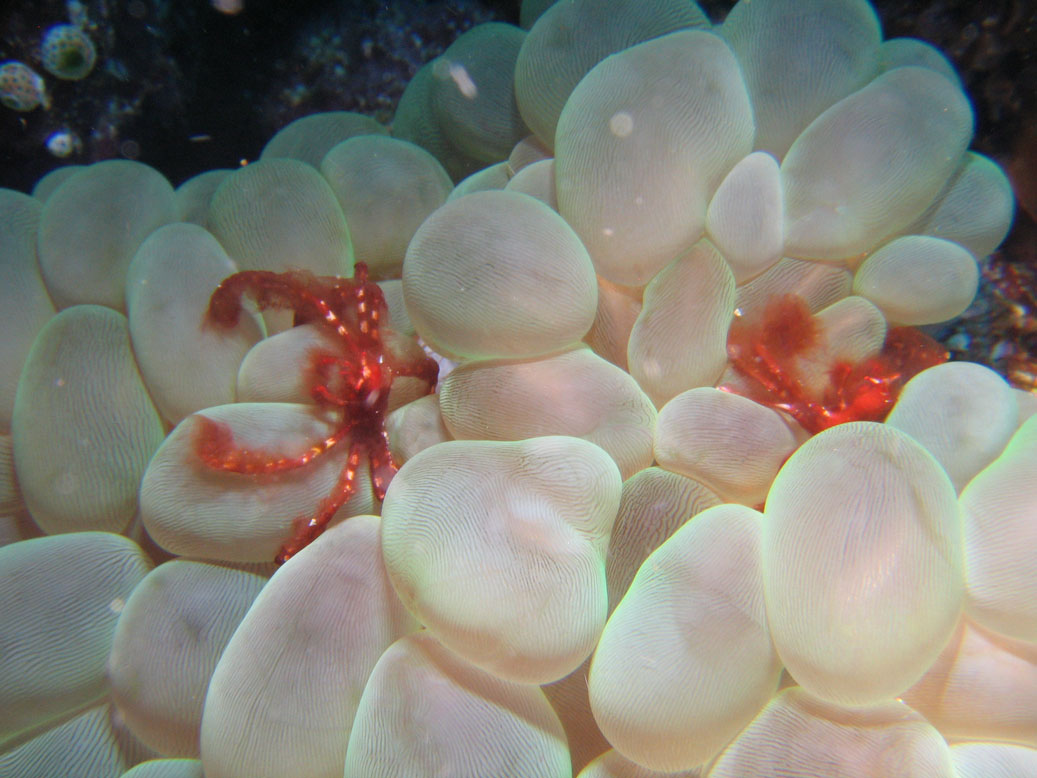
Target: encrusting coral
x: 695, y: 497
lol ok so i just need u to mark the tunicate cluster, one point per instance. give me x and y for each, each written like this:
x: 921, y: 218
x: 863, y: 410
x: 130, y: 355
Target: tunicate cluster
x: 611, y: 548
x: 21, y: 88
x: 68, y: 53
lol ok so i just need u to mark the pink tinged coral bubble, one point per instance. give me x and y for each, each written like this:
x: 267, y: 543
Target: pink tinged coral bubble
x: 999, y: 507
x: 963, y: 413
x: 172, y: 631
x: 285, y: 691
x: 993, y: 760
x: 425, y: 711
x: 983, y: 686
x: 686, y: 659
x: 863, y: 562
x: 729, y: 443
x: 499, y: 549
x: 574, y: 393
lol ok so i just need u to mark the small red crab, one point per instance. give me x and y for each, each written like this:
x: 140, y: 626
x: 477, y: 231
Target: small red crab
x: 764, y: 353
x: 350, y: 383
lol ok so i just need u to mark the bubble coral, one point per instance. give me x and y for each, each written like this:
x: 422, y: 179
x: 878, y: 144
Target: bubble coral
x: 760, y: 207
x: 68, y: 53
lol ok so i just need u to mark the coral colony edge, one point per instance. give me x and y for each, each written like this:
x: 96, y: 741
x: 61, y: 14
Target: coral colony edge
x: 583, y: 421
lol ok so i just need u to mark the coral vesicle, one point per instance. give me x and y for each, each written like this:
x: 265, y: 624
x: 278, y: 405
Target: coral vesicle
x: 349, y: 382
x: 766, y: 352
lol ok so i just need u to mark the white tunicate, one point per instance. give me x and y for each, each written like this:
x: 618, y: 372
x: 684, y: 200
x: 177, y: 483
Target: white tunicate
x: 638, y: 199
x: 872, y: 163
x: 963, y: 413
x: 60, y: 599
x: 918, y: 279
x: 186, y: 364
x: 427, y: 712
x: 283, y: 696
x: 746, y: 219
x: 171, y: 633
x: 686, y: 658
x: 863, y: 563
x: 1000, y: 510
x: 499, y: 549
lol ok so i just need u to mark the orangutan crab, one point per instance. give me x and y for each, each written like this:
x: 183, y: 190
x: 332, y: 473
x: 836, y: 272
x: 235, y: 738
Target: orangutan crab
x: 349, y: 382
